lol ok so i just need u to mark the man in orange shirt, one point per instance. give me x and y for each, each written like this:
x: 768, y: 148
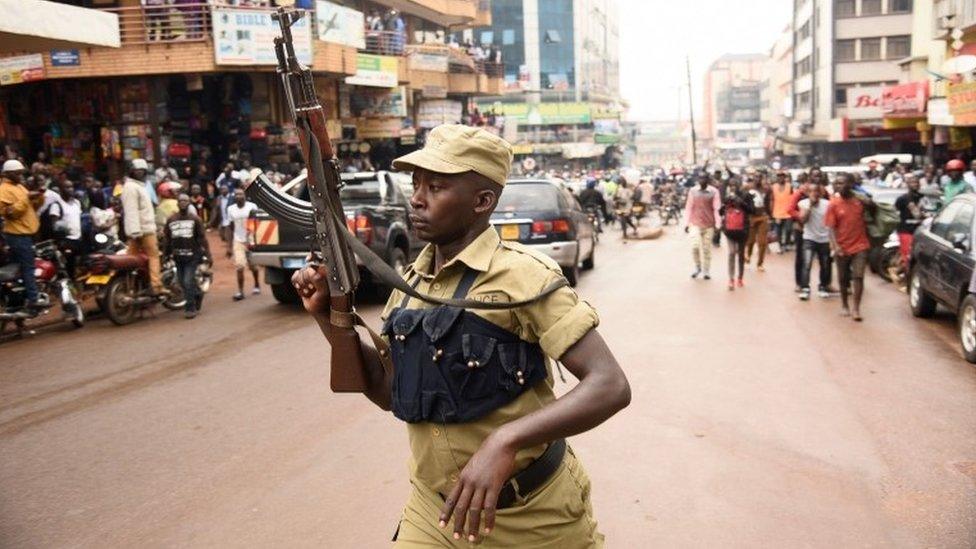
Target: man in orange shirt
x: 782, y: 222
x: 849, y: 241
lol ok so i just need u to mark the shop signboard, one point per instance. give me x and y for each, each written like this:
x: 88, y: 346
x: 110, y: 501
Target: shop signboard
x: 434, y: 91
x: 962, y: 103
x: 340, y: 25
x: 372, y: 102
x: 246, y: 37
x: 864, y: 103
x: 427, y: 61
x: 21, y: 68
x: 938, y: 112
x: 375, y: 70
x: 606, y: 130
x: 905, y: 100
x: 378, y: 128
x: 65, y: 58
x: 434, y: 112
x: 541, y: 114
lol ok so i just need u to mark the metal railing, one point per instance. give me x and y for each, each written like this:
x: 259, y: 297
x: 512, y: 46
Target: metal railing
x: 385, y: 42
x: 167, y: 23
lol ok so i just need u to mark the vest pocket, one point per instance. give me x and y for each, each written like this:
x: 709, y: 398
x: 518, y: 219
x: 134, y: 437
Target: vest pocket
x: 514, y: 366
x: 473, y: 378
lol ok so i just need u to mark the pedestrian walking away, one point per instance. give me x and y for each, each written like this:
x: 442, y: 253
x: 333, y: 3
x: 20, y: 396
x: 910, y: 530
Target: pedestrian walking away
x: 701, y: 221
x: 186, y: 242
x: 816, y: 241
x: 20, y: 222
x: 241, y: 239
x: 139, y: 220
x: 490, y: 457
x: 735, y: 211
x: 849, y: 242
x: 758, y: 224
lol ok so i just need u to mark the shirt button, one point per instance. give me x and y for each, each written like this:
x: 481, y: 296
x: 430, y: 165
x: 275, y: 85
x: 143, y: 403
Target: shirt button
x: 454, y: 477
x: 436, y: 432
x: 437, y: 285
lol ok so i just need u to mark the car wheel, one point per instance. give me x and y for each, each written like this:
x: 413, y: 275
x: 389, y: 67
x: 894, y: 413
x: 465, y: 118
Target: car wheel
x: 967, y: 327
x: 285, y: 293
x: 923, y: 305
x: 589, y: 261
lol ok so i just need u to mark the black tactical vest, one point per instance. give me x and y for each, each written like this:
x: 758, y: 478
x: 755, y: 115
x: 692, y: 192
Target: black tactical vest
x: 452, y: 366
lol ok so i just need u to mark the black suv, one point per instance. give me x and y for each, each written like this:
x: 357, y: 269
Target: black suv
x: 942, y: 263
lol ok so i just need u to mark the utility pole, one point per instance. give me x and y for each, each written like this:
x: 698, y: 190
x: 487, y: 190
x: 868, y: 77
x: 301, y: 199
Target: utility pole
x: 691, y: 115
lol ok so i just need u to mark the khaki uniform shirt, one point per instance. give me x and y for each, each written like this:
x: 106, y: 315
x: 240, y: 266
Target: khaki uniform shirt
x: 439, y: 451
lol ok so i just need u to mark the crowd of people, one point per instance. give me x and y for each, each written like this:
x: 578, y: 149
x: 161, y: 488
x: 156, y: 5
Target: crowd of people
x: 156, y: 212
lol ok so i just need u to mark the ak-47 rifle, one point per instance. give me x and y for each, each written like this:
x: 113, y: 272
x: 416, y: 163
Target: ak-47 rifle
x: 327, y: 218
x: 334, y: 246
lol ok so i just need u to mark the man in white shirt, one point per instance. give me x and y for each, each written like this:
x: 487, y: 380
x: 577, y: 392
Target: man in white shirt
x: 816, y: 241
x: 139, y: 218
x: 165, y: 173
x: 240, y: 241
x: 67, y: 212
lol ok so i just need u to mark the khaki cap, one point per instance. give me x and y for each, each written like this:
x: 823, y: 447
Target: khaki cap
x: 453, y: 148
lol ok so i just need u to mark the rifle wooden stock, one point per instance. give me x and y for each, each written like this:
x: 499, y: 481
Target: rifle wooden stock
x: 348, y: 363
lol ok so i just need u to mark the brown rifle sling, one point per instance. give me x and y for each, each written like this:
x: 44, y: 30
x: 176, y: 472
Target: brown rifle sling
x: 388, y: 276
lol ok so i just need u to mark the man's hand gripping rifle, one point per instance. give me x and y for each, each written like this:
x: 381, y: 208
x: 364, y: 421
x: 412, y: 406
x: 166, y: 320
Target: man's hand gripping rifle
x: 323, y: 213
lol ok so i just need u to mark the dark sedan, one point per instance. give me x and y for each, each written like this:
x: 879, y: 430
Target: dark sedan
x: 942, y: 263
x: 537, y: 213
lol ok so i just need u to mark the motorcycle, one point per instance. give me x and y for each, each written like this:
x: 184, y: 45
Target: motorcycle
x: 595, y: 215
x: 121, y: 285
x: 52, y: 279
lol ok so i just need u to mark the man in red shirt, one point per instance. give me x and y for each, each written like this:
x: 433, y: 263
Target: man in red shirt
x: 849, y: 241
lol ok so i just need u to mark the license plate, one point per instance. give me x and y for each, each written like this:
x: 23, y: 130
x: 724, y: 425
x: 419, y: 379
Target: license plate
x: 98, y: 279
x: 293, y: 262
x: 510, y: 232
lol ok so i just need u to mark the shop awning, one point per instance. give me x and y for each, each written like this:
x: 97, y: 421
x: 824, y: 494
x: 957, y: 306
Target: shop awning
x: 34, y: 26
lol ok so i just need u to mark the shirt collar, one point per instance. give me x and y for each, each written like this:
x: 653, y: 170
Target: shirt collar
x: 476, y: 255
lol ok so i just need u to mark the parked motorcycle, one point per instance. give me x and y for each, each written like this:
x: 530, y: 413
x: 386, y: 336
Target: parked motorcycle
x: 52, y: 280
x: 123, y: 291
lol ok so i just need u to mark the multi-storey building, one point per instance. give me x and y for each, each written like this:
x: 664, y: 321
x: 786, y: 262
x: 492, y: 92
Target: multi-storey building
x: 731, y: 120
x: 196, y: 83
x: 844, y: 52
x: 561, y: 70
x: 777, y: 83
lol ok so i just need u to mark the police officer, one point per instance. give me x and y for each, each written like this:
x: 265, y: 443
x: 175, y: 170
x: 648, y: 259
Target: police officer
x: 487, y: 434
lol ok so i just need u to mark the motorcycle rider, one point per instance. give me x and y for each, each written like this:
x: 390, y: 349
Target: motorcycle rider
x: 139, y: 220
x: 20, y: 223
x: 592, y: 199
x: 186, y: 242
x: 957, y: 183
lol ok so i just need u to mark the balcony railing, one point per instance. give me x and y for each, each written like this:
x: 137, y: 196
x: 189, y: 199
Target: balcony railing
x: 169, y: 23
x: 385, y: 42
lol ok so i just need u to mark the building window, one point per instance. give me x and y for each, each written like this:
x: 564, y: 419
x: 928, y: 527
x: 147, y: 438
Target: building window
x: 899, y: 47
x: 552, y: 37
x: 870, y: 49
x: 899, y: 6
x: 487, y: 37
x: 508, y: 37
x: 840, y: 95
x: 803, y: 100
x: 870, y: 7
x: 845, y: 8
x: 804, y: 31
x: 803, y: 67
x: 845, y: 50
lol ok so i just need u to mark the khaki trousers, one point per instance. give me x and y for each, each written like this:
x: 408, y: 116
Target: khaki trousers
x: 758, y: 233
x: 147, y: 244
x: 701, y: 246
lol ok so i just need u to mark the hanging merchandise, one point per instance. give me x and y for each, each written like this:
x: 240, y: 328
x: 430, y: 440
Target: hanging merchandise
x: 111, y: 145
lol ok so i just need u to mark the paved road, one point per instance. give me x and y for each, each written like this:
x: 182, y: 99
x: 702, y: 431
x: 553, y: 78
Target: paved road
x: 757, y: 420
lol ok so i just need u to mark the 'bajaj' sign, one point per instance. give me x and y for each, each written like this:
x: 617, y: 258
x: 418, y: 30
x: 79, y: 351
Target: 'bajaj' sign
x: 864, y: 103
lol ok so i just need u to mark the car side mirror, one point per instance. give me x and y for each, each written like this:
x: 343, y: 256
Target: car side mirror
x: 959, y: 241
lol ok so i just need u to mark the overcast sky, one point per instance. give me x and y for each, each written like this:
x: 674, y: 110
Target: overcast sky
x: 655, y: 36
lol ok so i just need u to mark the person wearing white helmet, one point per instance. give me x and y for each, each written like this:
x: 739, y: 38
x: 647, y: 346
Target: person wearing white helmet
x: 20, y: 223
x: 139, y: 219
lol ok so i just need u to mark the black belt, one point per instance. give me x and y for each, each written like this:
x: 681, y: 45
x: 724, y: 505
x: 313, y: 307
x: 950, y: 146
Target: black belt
x: 532, y: 477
